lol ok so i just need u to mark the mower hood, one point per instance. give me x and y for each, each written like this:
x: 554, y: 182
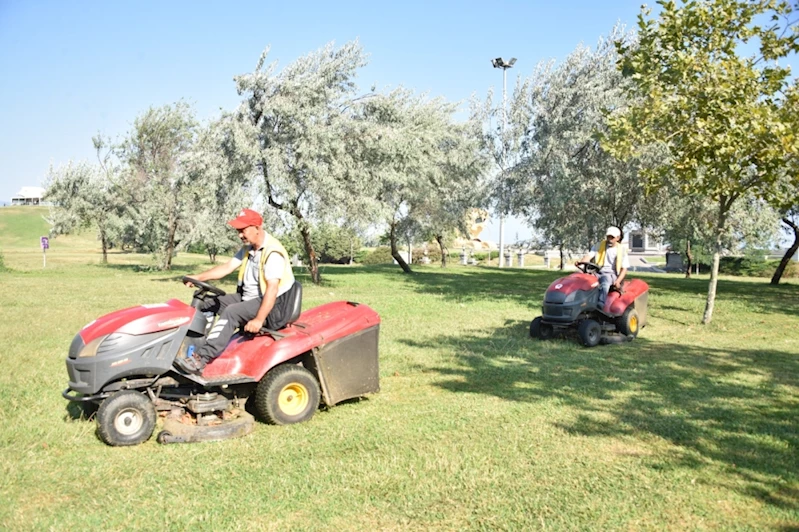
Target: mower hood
x: 559, y: 289
x: 141, y: 319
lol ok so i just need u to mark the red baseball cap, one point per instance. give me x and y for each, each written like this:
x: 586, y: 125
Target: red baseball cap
x: 246, y: 218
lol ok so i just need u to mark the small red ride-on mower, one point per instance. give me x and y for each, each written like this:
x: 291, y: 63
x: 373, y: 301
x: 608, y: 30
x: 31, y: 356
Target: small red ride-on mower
x: 572, y: 302
x: 123, y: 363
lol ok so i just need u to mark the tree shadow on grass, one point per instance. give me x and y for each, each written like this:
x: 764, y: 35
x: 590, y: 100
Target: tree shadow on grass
x: 764, y: 297
x: 732, y: 407
x: 527, y: 286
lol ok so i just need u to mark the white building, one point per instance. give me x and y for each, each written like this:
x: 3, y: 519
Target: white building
x: 28, y: 196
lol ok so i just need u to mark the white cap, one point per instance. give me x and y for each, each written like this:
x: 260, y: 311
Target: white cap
x: 613, y: 231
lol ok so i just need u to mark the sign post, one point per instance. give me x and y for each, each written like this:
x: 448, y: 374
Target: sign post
x: 45, y: 246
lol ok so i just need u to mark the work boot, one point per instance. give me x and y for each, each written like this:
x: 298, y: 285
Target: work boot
x: 190, y: 364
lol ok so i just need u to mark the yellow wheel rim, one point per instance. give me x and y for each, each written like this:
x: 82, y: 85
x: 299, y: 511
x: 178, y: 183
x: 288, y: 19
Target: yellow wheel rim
x: 633, y: 323
x: 293, y: 399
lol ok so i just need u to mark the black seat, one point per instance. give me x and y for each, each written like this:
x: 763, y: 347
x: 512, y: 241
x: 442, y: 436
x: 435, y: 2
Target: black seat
x: 296, y: 309
x: 296, y: 305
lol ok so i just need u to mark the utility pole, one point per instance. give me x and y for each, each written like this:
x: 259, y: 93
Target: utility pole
x: 500, y: 63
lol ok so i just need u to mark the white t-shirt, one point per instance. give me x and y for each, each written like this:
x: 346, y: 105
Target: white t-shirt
x: 273, y: 269
x: 610, y: 258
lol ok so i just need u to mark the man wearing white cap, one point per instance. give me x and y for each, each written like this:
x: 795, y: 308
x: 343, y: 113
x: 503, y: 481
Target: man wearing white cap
x: 612, y: 259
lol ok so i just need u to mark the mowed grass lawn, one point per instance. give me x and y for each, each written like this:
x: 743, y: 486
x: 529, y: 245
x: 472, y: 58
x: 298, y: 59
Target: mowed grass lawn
x: 477, y: 426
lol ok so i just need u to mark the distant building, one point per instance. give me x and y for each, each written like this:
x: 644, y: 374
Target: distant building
x: 640, y: 241
x: 28, y: 196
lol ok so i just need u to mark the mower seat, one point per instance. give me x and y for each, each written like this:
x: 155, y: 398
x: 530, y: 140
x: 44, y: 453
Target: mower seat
x: 296, y: 305
x: 296, y: 309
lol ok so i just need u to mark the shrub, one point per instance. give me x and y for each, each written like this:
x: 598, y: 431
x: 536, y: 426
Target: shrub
x: 433, y: 253
x: 746, y: 267
x: 381, y: 255
x: 751, y: 267
x: 2, y: 262
x: 334, y: 244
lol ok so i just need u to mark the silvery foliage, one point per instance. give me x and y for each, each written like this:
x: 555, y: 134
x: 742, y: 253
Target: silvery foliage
x: 424, y: 165
x: 223, y: 184
x: 441, y: 211
x: 752, y: 224
x: 302, y: 135
x: 86, y: 195
x: 501, y: 141
x: 572, y: 188
x: 159, y: 178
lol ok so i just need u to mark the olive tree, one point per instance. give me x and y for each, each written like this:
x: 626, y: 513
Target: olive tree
x: 421, y: 163
x: 574, y: 188
x: 303, y: 139
x: 84, y: 195
x: 158, y: 179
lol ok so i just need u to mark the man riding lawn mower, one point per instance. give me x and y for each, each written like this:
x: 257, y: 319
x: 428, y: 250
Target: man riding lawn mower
x: 171, y: 358
x: 596, y: 301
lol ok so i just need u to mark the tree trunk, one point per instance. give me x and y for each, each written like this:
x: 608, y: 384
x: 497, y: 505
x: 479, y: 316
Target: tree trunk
x: 313, y: 262
x: 443, y: 248
x: 212, y: 255
x: 724, y: 206
x: 788, y: 254
x: 394, y: 252
x: 690, y: 258
x: 172, y: 227
x: 562, y: 260
x: 104, y: 243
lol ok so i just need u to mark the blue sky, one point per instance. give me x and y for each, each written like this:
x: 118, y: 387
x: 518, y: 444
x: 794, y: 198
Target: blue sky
x: 69, y: 70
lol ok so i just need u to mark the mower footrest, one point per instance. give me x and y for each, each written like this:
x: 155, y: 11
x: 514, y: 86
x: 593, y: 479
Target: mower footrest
x: 236, y: 378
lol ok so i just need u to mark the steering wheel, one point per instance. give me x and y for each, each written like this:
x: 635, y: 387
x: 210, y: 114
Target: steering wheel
x: 588, y: 267
x: 203, y: 286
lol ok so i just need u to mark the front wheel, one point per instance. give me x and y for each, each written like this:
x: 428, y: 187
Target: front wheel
x: 288, y: 394
x: 590, y: 332
x: 542, y: 331
x: 126, y: 418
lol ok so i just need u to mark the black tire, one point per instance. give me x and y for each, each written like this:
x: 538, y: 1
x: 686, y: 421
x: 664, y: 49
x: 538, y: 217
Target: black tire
x: 126, y: 418
x: 542, y: 331
x: 628, y: 323
x: 287, y: 394
x: 590, y: 332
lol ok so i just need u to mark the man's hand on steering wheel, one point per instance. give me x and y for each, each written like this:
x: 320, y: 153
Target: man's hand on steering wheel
x: 202, y: 285
x: 588, y: 267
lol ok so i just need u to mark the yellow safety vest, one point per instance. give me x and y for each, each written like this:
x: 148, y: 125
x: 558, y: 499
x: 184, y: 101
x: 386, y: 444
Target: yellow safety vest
x: 600, y: 255
x: 271, y: 245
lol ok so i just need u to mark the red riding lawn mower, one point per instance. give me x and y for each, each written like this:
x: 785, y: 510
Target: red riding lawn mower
x: 572, y: 303
x: 123, y: 363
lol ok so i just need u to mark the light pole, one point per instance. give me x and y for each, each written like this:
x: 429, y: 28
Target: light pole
x: 500, y: 63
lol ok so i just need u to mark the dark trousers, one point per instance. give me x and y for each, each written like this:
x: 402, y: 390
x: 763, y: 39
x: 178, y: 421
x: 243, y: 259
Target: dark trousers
x: 234, y: 314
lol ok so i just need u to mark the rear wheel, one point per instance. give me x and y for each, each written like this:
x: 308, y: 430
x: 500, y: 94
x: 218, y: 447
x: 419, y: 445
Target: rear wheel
x: 589, y: 332
x: 628, y: 324
x: 288, y: 394
x: 126, y: 418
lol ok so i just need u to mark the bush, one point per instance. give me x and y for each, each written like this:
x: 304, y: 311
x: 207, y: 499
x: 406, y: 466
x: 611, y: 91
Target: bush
x: 791, y: 270
x: 381, y: 255
x: 746, y: 267
x: 433, y: 253
x: 334, y: 244
x: 2, y: 263
x: 751, y: 267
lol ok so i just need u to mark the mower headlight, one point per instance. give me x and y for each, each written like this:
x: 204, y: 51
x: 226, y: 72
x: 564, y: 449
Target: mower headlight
x: 570, y: 298
x: 91, y: 348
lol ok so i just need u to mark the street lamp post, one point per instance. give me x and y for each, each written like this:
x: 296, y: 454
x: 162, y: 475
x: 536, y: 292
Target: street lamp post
x: 500, y: 63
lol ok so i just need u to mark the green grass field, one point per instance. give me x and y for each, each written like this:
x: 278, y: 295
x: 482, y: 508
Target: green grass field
x: 476, y: 426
